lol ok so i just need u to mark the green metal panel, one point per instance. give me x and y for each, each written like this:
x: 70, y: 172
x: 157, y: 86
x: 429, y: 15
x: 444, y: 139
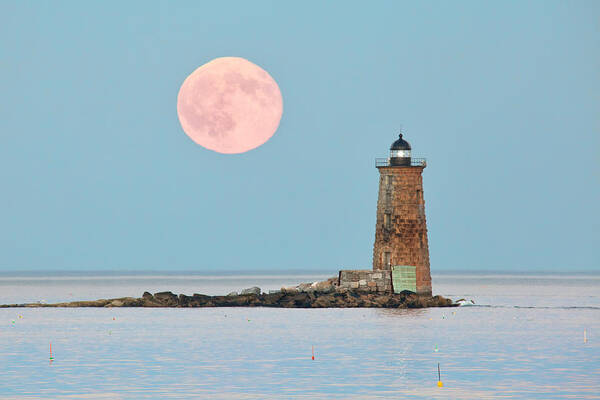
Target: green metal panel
x: 404, y: 277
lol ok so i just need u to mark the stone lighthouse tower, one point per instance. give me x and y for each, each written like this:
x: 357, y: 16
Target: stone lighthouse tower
x: 401, y: 245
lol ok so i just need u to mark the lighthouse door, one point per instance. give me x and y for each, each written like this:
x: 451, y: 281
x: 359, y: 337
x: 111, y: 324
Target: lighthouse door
x: 404, y: 277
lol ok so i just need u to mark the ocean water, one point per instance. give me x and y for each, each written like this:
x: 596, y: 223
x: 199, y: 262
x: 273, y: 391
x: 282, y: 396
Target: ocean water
x: 524, y: 339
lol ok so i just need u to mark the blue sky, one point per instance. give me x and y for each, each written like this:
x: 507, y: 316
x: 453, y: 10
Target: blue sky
x: 503, y: 99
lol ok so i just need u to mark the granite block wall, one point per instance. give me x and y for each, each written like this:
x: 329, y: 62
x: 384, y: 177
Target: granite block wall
x: 401, y: 226
x: 366, y: 280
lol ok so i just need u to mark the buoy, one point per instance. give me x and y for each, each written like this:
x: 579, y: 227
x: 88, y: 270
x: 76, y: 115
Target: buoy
x: 436, y: 349
x: 114, y: 319
x: 51, y: 358
x: 440, y: 384
x: 584, y: 336
x: 313, y: 352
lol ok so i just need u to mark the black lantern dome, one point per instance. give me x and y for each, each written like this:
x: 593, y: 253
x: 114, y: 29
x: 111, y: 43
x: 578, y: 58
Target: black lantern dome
x: 400, y: 152
x: 400, y: 144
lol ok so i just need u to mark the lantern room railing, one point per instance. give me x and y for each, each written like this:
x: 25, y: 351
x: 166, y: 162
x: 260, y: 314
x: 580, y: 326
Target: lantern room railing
x: 414, y: 162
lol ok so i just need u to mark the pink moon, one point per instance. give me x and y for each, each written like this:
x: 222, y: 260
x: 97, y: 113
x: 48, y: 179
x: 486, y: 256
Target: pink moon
x: 229, y: 105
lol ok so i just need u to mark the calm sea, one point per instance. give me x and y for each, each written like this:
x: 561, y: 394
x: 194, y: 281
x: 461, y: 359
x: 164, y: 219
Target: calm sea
x: 524, y: 339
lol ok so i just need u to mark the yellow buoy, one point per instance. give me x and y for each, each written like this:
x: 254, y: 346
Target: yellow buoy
x: 440, y: 384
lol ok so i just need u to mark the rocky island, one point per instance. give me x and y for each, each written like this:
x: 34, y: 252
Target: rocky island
x: 316, y: 295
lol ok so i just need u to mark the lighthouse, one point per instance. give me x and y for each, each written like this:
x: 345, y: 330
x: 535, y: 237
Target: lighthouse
x: 401, y: 248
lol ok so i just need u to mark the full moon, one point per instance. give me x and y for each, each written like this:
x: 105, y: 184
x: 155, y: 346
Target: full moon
x: 229, y: 105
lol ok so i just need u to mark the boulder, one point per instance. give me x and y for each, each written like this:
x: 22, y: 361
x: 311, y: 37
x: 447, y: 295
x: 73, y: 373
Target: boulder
x: 183, y: 300
x: 252, y: 290
x: 289, y: 289
x: 166, y: 298
x: 115, y: 303
x: 325, y: 286
x: 301, y: 300
x: 147, y: 296
x: 305, y: 287
x: 232, y: 294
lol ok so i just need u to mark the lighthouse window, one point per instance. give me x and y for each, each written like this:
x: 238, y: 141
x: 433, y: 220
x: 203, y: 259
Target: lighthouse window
x: 387, y: 258
x: 400, y: 153
x: 388, y: 179
x: 387, y: 220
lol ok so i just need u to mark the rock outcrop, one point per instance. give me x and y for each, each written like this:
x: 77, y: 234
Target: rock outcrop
x: 330, y: 298
x: 327, y: 286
